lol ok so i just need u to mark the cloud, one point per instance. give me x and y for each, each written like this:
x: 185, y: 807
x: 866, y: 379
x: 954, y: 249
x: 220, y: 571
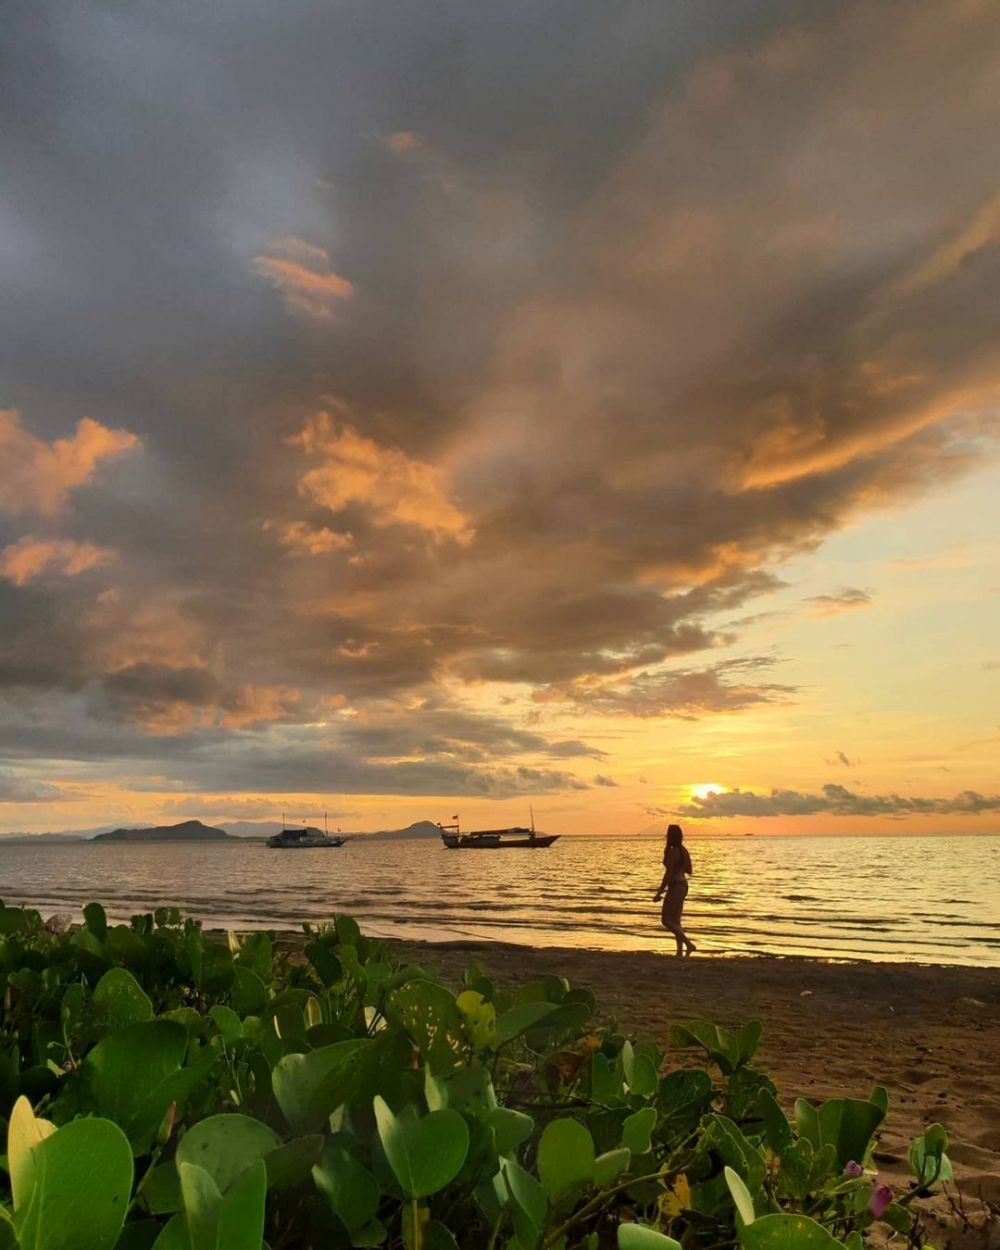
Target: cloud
x: 601, y: 780
x: 15, y: 788
x: 832, y: 800
x: 843, y: 601
x: 392, y: 487
x: 685, y: 693
x: 581, y: 391
x: 840, y: 758
x: 29, y: 558
x: 39, y: 476
x: 302, y: 273
x: 306, y: 540
x: 223, y: 808
x: 403, y: 142
x: 165, y: 700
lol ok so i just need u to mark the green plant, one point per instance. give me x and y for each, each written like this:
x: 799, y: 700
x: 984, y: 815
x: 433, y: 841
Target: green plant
x: 162, y: 1088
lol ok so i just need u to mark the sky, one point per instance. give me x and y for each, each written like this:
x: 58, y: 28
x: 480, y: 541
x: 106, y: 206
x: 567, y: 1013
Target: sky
x: 416, y: 409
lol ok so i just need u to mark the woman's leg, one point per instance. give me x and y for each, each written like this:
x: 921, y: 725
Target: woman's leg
x: 679, y: 931
x: 670, y: 917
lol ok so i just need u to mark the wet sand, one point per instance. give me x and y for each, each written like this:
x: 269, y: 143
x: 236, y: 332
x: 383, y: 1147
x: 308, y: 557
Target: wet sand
x: 931, y: 1035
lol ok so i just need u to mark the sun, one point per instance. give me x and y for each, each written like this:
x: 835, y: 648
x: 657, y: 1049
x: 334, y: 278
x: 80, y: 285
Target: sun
x: 706, y: 788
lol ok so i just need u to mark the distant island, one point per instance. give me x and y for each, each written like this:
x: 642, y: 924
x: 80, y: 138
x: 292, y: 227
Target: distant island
x: 262, y: 829
x: 186, y: 831
x: 197, y: 831
x: 419, y: 829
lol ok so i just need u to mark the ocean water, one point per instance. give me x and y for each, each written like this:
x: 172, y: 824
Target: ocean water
x: 913, y: 899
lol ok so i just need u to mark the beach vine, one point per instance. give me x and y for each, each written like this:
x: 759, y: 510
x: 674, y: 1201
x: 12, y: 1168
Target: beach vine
x: 162, y: 1089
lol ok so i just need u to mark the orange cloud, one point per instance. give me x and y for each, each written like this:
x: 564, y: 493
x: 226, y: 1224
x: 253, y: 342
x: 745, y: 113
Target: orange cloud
x: 39, y: 476
x: 393, y: 487
x: 31, y: 557
x: 309, y: 540
x: 402, y: 141
x: 301, y: 272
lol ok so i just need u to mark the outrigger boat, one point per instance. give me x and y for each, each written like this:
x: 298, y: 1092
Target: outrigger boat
x: 301, y: 839
x: 494, y: 839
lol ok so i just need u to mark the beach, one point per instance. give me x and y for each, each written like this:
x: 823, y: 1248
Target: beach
x: 930, y: 1035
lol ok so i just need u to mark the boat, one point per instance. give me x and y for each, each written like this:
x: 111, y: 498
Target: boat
x: 303, y: 838
x: 494, y: 839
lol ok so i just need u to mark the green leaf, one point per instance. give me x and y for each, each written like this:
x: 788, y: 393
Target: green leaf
x: 736, y: 1150
x: 310, y: 1087
x: 642, y: 1237
x: 849, y: 1125
x: 605, y: 1079
x: 640, y: 1072
x: 141, y: 1235
x: 248, y: 993
x: 565, y: 1157
x: 728, y: 1049
x: 82, y: 1178
x: 425, y: 1154
x: 741, y: 1195
x: 161, y: 1190
x: 610, y: 1165
x: 636, y: 1130
x: 928, y: 1159
x: 880, y: 1097
x: 225, y: 1146
x: 174, y: 1236
x: 292, y: 1163
x: 96, y: 920
x: 429, y: 1014
x: 228, y: 1023
x: 241, y: 1217
x: 787, y: 1232
x: 325, y: 963
x: 480, y: 1019
x: 202, y: 1206
x: 520, y: 1018
x: 777, y: 1131
x: 511, y: 1128
x: 807, y: 1122
x: 352, y: 1192
x: 122, y: 999
x: 529, y: 1204
x: 135, y: 1074
x: 437, y: 1236
x: 684, y: 1096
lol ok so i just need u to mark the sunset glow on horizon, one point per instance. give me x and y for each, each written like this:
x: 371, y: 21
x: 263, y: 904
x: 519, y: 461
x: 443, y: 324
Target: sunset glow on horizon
x: 442, y: 410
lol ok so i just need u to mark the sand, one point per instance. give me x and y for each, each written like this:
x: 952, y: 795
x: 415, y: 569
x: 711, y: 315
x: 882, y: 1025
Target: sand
x: 931, y: 1035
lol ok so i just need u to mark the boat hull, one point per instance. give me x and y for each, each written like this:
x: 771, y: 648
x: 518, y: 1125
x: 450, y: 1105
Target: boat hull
x: 327, y: 844
x: 512, y: 844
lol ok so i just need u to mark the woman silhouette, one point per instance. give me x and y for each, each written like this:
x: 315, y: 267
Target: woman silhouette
x: 676, y: 870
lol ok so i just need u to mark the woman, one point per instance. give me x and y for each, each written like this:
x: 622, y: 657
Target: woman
x: 676, y: 869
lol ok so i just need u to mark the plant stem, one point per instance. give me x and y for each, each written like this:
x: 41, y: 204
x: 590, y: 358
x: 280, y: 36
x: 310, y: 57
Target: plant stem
x: 595, y: 1205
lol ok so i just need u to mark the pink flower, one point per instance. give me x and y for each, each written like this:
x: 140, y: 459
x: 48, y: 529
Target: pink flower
x: 879, y: 1201
x: 853, y: 1169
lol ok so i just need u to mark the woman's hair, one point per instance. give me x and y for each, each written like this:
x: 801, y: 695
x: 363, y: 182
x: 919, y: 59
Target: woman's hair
x: 675, y: 835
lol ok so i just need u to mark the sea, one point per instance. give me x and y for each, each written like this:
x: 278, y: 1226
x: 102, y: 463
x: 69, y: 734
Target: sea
x: 932, y: 900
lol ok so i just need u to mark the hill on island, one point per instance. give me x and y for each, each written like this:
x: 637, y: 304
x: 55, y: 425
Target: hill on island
x: 419, y: 829
x: 264, y: 829
x: 186, y: 831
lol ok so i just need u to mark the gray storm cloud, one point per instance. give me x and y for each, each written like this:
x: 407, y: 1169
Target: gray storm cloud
x: 357, y: 354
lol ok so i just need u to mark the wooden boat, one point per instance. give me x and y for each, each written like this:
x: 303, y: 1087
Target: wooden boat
x: 494, y: 839
x: 303, y: 839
